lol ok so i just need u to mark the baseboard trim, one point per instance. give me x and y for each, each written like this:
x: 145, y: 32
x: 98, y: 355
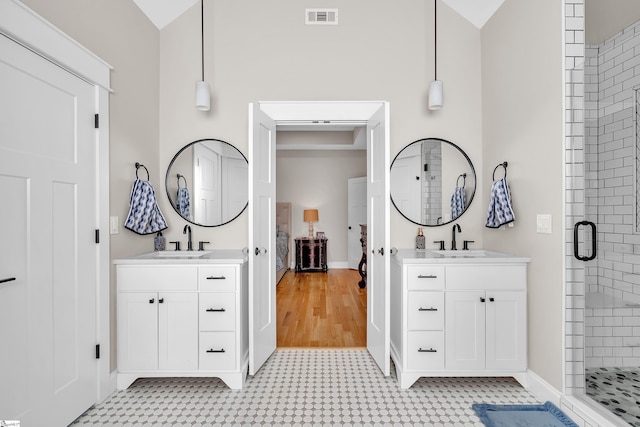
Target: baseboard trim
x: 575, y: 408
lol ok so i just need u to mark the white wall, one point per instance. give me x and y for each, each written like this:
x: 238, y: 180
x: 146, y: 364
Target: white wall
x: 523, y: 124
x: 262, y: 51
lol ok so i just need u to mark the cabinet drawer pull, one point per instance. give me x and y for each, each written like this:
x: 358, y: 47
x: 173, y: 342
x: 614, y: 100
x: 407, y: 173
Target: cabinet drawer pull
x: 430, y: 276
x: 222, y: 350
x: 482, y: 299
x: 152, y: 300
x: 216, y: 278
x: 427, y: 309
x: 421, y: 350
x: 492, y: 299
x: 211, y: 310
x: 9, y: 279
x: 161, y: 300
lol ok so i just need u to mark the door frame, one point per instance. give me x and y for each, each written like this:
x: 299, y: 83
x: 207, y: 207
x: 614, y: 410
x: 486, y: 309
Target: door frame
x: 23, y: 25
x: 310, y: 111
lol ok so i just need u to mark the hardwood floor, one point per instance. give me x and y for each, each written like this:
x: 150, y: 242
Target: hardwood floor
x: 321, y: 310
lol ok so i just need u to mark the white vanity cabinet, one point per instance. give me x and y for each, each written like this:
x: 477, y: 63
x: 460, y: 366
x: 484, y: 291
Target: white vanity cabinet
x: 182, y: 317
x: 458, y: 316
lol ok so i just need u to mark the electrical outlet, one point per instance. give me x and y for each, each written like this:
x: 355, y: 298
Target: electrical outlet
x: 113, y: 225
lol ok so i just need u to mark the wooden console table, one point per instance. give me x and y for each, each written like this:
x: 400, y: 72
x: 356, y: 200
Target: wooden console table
x: 311, y: 254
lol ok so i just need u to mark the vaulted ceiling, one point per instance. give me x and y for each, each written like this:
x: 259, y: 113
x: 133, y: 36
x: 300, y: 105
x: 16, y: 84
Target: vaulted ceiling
x: 162, y: 12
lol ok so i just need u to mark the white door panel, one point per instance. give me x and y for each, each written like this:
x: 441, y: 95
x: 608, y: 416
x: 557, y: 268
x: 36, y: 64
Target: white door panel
x: 378, y: 288
x: 47, y: 161
x: 262, y: 276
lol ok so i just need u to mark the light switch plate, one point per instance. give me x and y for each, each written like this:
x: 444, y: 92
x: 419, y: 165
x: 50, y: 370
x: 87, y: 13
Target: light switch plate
x: 113, y: 225
x: 543, y: 224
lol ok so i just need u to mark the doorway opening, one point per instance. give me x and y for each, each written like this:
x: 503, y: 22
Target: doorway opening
x: 319, y: 302
x: 264, y: 118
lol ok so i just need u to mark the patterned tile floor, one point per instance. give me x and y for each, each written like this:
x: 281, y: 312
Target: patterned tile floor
x: 305, y: 387
x: 618, y: 390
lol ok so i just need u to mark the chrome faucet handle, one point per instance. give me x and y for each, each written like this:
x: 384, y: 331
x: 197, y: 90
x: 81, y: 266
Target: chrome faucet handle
x: 465, y: 244
x: 201, y: 245
x: 177, y: 245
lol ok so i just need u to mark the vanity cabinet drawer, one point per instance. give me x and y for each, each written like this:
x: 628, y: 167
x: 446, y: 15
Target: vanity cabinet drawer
x: 217, y: 351
x: 425, y: 350
x: 487, y: 277
x: 425, y: 277
x: 157, y: 278
x: 217, y: 311
x: 218, y: 278
x: 425, y: 311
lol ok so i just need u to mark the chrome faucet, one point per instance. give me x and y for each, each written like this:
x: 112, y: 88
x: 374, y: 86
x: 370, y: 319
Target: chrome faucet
x: 453, y: 236
x: 187, y: 228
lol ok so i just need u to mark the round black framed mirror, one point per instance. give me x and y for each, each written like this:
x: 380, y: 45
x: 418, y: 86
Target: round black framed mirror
x: 207, y: 182
x: 433, y: 182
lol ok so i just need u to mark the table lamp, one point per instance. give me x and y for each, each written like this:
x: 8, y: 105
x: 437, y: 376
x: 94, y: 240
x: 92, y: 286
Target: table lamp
x: 311, y: 216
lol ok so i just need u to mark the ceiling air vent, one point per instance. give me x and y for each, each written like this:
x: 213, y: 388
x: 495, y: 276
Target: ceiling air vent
x: 321, y: 16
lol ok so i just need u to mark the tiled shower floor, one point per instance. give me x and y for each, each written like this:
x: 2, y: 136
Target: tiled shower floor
x: 305, y: 387
x: 618, y: 390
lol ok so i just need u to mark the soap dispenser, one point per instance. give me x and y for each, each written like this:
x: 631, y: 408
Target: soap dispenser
x: 420, y: 239
x: 159, y: 242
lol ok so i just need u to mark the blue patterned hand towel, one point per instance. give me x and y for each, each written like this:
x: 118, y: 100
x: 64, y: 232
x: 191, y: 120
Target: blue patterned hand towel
x: 184, y: 202
x: 500, y: 211
x: 144, y: 214
x: 458, y: 202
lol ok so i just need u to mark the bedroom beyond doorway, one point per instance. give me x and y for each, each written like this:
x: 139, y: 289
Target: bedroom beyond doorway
x: 321, y: 310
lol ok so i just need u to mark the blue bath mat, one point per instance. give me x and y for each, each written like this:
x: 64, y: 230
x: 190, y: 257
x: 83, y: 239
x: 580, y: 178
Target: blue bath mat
x: 545, y: 415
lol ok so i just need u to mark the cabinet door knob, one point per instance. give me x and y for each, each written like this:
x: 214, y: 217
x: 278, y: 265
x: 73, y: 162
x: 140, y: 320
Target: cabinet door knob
x: 381, y: 251
x: 482, y: 299
x: 152, y: 300
x: 492, y: 299
x: 161, y: 301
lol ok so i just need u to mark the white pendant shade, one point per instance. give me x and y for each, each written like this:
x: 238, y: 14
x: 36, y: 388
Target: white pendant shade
x: 203, y: 96
x: 435, y: 95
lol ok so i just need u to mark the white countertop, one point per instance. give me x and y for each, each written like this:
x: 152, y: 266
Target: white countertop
x: 210, y: 256
x: 474, y: 256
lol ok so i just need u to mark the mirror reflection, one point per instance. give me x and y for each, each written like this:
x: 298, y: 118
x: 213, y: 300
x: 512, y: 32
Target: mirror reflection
x: 432, y: 182
x: 207, y: 182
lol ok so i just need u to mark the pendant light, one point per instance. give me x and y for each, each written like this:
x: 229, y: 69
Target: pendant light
x: 435, y: 87
x: 203, y: 92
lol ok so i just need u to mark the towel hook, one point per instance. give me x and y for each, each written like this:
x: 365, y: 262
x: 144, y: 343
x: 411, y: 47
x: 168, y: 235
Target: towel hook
x: 464, y: 180
x: 504, y: 165
x: 140, y: 165
x: 185, y: 180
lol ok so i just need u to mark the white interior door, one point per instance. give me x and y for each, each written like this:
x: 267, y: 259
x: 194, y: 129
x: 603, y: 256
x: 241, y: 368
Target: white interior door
x: 378, y: 241
x: 356, y: 215
x: 262, y: 233
x: 48, y: 176
x: 406, y: 182
x: 206, y: 186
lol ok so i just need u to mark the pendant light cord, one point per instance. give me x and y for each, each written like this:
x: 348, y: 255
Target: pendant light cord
x: 435, y: 38
x: 202, y: 33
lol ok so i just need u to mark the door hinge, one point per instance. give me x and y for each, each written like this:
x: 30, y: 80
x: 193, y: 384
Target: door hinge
x: 96, y: 121
x: 97, y: 351
x: 97, y: 236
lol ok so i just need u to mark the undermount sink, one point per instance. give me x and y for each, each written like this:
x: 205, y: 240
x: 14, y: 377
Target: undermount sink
x: 181, y: 254
x: 472, y: 253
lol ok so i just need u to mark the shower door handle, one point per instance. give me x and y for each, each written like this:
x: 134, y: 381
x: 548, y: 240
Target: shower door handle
x: 594, y: 236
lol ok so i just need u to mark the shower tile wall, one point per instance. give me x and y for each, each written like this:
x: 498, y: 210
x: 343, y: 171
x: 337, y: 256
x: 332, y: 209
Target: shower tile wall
x: 432, y: 184
x: 574, y: 195
x: 612, y: 71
